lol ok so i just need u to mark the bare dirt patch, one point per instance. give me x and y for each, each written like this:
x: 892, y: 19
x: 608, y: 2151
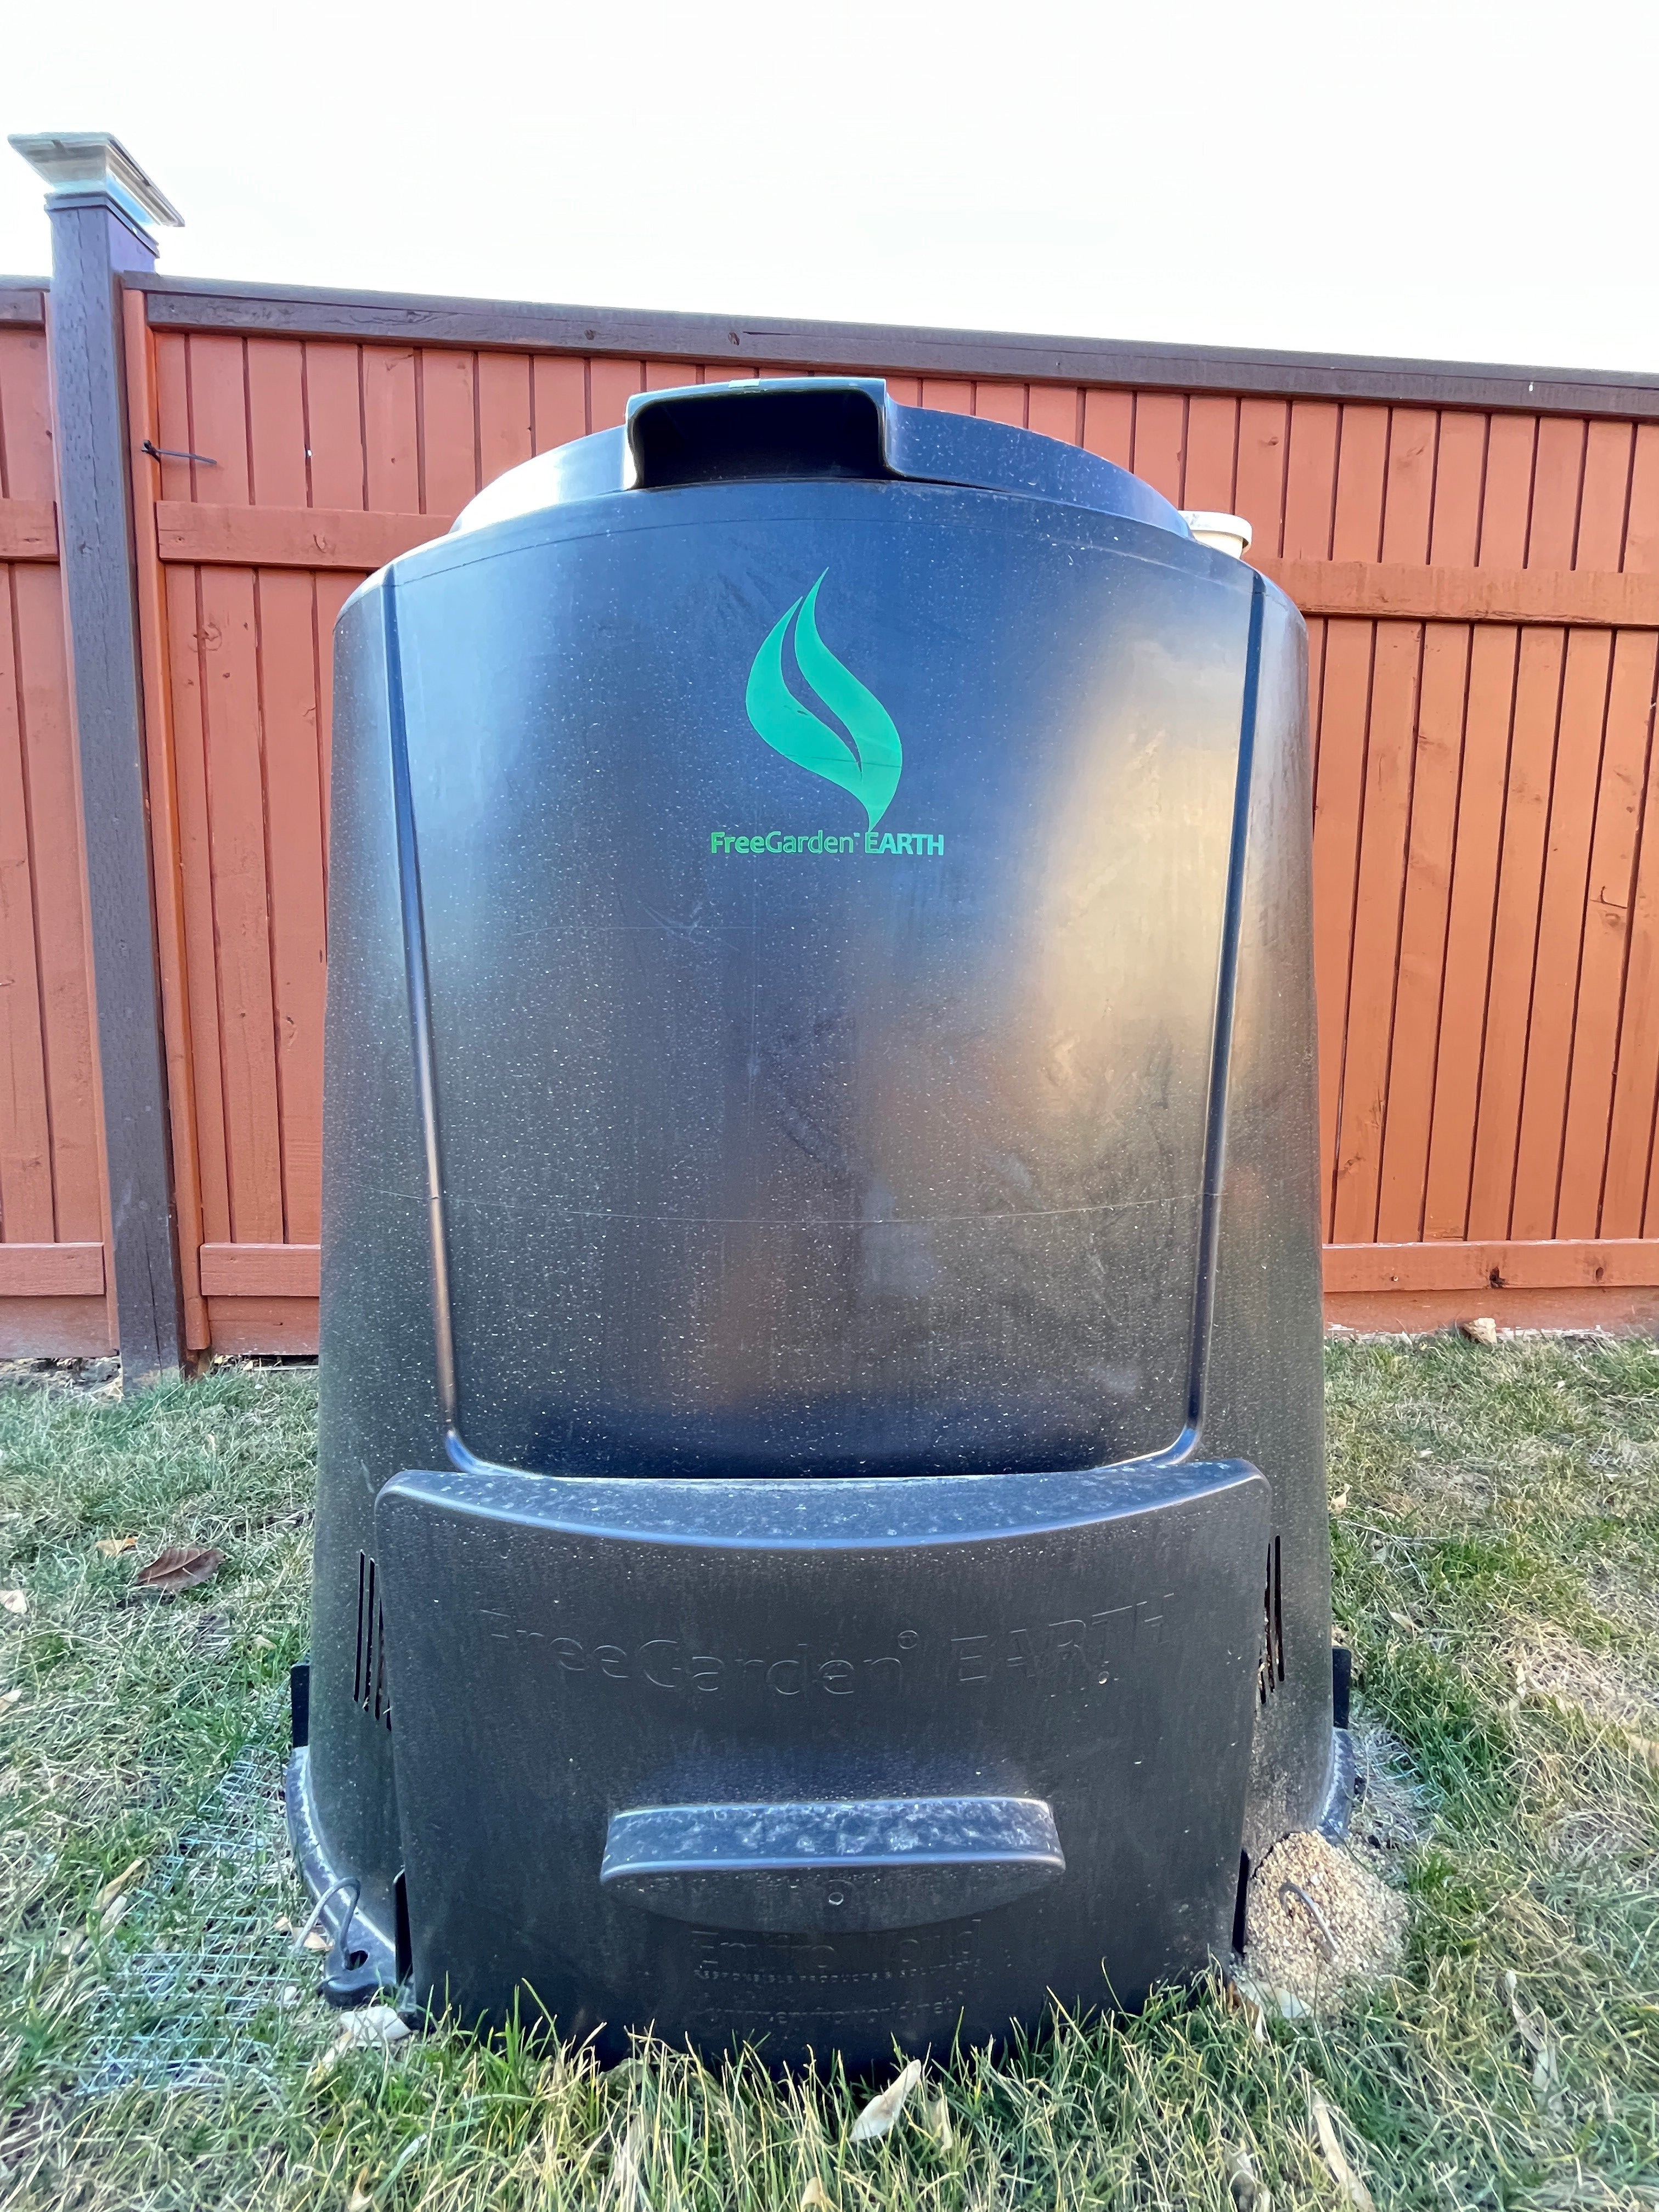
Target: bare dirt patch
x: 1319, y: 1924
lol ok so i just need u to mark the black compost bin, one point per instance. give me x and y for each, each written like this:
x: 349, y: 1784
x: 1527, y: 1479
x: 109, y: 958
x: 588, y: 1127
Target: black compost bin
x: 822, y: 1533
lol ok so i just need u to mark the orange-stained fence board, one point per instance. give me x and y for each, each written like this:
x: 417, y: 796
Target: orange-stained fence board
x: 261, y: 1271
x: 28, y: 529
x: 288, y: 536
x: 56, y: 1328
x: 1565, y: 597
x: 1617, y: 1311
x: 253, y: 1327
x: 51, y: 1271
x: 1625, y: 1263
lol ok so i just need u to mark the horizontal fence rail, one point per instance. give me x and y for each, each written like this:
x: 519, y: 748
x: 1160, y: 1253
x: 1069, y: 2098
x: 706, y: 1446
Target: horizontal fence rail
x: 1476, y: 552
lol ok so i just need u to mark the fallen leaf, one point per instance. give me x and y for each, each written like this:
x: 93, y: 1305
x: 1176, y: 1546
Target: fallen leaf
x: 9, y: 1698
x: 180, y: 1567
x: 1339, y: 1503
x: 112, y: 1890
x: 14, y: 1602
x: 112, y: 1546
x: 283, y: 1925
x: 1403, y: 1621
x: 363, y: 2197
x: 318, y: 1939
x: 1481, y: 1331
x: 1351, y: 2189
x: 879, y: 2116
x: 1546, y: 2080
x: 938, y: 2122
x: 1266, y: 1997
x: 113, y: 1916
x: 813, y: 2199
x: 1245, y: 2189
x: 375, y: 2027
x: 1545, y: 2073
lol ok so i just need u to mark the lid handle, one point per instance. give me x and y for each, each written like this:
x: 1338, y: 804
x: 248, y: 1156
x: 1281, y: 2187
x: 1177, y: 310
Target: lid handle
x: 801, y: 427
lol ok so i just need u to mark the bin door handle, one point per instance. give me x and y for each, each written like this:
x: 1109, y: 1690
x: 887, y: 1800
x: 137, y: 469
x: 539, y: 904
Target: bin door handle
x: 831, y: 1865
x: 785, y: 428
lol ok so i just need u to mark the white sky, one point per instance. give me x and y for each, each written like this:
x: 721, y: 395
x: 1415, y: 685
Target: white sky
x: 1470, y: 182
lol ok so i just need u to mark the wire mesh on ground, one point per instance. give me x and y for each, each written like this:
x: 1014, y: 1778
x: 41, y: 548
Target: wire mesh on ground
x: 204, y: 1990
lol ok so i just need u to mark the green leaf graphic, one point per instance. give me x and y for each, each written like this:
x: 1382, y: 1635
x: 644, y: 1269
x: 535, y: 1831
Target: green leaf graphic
x: 870, y: 767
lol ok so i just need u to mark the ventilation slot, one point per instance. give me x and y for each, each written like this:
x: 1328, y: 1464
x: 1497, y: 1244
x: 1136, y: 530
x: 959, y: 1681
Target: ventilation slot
x: 368, y: 1686
x: 1271, y: 1671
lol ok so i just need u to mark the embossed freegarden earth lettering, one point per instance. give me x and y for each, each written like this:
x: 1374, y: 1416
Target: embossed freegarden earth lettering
x: 913, y: 844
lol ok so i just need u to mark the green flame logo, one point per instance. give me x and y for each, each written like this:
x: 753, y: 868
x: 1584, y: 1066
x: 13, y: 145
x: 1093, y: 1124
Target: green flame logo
x: 868, y: 762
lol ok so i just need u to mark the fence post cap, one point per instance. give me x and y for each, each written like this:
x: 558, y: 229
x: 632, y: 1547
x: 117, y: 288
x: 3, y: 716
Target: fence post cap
x: 94, y: 161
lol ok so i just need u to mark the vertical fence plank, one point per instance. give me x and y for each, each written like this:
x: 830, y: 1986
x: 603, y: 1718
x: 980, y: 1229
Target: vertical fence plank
x: 26, y: 1193
x: 391, y: 430
x: 1557, y: 480
x: 1055, y: 412
x: 611, y: 385
x: 25, y: 1206
x: 1506, y: 496
x: 1560, y: 932
x: 505, y: 437
x: 1611, y: 891
x: 1108, y: 425
x: 1408, y: 487
x: 1337, y: 803
x: 1212, y: 453
x: 233, y: 743
x: 1259, y: 481
x: 1434, y: 513
x: 449, y: 430
x: 1373, y: 958
x: 334, y: 425
x: 181, y: 588
x: 1608, y: 450
x: 1161, y: 441
x: 279, y: 465
x: 282, y: 400
x: 1001, y: 403
x: 1459, y: 470
x: 1310, y: 480
x: 1361, y: 471
x: 60, y: 907
x: 1438, y: 760
x: 1515, y: 942
x: 559, y: 396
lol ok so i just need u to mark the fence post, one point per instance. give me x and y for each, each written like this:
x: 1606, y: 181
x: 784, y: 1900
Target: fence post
x: 98, y: 202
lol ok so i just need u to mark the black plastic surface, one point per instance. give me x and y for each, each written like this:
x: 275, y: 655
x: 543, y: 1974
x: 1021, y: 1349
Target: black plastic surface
x: 862, y: 1162
x: 753, y: 1234
x: 839, y: 1863
x: 569, y: 1651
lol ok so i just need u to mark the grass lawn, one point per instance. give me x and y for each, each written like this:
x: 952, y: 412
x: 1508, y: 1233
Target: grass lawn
x: 1497, y: 1574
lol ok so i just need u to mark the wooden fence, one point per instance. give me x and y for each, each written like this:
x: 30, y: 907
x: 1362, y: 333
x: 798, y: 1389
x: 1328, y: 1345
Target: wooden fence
x: 1477, y: 552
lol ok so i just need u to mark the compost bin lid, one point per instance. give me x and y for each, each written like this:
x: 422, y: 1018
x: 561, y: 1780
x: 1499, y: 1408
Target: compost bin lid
x: 812, y: 428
